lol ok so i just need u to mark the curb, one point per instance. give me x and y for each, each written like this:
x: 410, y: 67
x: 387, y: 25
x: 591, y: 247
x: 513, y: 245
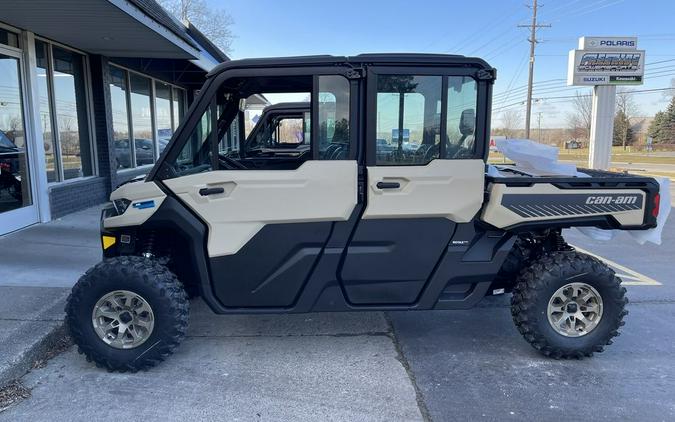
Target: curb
x: 30, y: 344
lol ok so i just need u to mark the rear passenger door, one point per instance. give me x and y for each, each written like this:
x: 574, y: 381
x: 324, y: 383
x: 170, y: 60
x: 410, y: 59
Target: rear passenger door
x: 425, y: 174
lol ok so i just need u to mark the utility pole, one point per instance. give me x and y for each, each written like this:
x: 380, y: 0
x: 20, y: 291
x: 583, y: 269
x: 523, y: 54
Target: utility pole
x: 539, y: 125
x: 533, y: 42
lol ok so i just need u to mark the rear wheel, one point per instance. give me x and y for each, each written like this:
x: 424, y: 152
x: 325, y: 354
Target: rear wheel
x: 127, y: 313
x: 568, y: 305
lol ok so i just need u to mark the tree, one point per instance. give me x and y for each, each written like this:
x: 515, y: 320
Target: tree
x: 623, y: 134
x: 511, y: 121
x: 579, y: 120
x: 216, y: 24
x: 625, y: 110
x: 662, y: 128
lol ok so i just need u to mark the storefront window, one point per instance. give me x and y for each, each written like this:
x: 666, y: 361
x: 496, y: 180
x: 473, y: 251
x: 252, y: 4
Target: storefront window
x: 120, y: 118
x: 132, y: 99
x: 141, y: 119
x: 9, y: 38
x: 64, y: 117
x: 163, y: 114
x: 178, y: 106
x: 70, y: 105
x: 42, y: 59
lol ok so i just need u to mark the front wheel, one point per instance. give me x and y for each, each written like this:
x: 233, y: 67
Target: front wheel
x: 568, y: 305
x: 127, y: 313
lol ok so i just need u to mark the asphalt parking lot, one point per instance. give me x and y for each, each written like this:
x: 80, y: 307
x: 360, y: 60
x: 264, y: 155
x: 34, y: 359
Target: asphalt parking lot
x: 474, y: 365
x: 440, y: 366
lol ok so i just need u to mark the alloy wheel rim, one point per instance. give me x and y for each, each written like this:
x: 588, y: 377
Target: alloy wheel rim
x: 123, y: 319
x: 575, y: 309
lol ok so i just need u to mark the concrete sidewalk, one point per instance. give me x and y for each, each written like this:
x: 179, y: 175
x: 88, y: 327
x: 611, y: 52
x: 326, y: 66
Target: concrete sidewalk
x: 309, y: 367
x: 38, y: 265
x: 272, y: 367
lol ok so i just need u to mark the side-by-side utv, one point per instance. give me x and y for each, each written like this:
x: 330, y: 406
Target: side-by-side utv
x: 383, y: 204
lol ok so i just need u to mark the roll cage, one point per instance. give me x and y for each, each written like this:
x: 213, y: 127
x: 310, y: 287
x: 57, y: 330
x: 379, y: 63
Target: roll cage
x: 360, y: 70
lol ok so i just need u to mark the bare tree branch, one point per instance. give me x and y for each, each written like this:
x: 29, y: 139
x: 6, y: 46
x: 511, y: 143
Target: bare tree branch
x: 511, y: 121
x: 216, y: 24
x: 579, y: 120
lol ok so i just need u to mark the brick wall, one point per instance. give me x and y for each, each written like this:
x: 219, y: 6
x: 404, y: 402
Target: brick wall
x: 74, y: 196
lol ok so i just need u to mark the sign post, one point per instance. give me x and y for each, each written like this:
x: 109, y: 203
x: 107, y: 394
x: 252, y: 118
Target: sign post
x: 604, y: 63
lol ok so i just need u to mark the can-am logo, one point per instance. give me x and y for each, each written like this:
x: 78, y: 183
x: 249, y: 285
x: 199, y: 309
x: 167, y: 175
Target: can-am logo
x: 612, y: 200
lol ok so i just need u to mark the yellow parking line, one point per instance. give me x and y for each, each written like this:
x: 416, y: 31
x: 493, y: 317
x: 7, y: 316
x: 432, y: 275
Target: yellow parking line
x: 625, y: 273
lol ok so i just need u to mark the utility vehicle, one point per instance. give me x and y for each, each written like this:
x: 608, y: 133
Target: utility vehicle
x: 355, y: 221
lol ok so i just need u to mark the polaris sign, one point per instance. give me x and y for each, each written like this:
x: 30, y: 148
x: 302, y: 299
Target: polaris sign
x: 606, y: 61
x: 607, y: 43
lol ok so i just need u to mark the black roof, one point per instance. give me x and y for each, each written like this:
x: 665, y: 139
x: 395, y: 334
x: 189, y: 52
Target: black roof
x: 361, y: 59
x: 290, y: 106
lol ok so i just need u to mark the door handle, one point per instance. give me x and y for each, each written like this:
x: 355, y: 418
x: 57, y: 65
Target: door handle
x: 388, y: 185
x: 211, y: 191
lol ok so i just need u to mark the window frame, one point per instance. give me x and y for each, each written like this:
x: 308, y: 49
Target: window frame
x: 161, y: 170
x: 51, y: 99
x: 153, y: 113
x: 353, y: 114
x: 482, y: 107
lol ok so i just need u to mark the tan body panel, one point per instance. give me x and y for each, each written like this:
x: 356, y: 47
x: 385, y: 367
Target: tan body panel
x: 316, y: 191
x: 500, y: 216
x: 135, y: 192
x: 451, y: 189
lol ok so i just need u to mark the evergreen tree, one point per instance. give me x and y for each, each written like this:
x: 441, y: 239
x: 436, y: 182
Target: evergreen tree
x: 662, y: 129
x: 623, y: 133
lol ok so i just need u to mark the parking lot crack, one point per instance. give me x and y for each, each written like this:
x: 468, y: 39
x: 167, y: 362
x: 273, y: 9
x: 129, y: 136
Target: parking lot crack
x: 400, y: 356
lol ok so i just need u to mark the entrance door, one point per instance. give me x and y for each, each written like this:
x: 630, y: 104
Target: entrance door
x: 17, y: 204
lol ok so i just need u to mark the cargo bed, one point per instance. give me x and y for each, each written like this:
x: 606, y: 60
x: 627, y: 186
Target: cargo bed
x: 524, y: 200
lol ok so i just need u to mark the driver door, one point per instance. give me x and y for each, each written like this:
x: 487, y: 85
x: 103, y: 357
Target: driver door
x: 268, y: 226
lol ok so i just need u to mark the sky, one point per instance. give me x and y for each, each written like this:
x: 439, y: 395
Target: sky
x: 487, y: 29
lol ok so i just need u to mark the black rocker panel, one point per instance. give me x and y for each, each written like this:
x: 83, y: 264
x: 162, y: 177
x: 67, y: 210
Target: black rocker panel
x: 389, y: 261
x: 271, y: 269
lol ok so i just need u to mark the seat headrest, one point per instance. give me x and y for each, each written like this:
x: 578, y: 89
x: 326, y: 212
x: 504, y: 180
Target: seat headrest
x: 467, y: 122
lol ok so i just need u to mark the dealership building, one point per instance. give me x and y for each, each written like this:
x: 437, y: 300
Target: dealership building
x: 90, y: 93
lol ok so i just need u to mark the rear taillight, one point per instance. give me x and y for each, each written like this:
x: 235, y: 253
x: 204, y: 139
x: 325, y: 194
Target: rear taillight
x: 657, y: 204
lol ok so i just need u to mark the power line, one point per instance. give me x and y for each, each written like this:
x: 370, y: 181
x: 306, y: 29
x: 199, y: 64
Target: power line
x: 533, y: 42
x: 567, y: 97
x: 513, y: 78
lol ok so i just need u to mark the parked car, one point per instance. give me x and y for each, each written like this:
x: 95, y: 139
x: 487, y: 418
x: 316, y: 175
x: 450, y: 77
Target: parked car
x: 145, y: 152
x: 10, y: 179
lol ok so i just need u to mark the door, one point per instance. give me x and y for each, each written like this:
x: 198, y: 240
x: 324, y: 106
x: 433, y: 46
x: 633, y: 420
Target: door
x: 424, y: 175
x: 17, y: 203
x: 267, y: 226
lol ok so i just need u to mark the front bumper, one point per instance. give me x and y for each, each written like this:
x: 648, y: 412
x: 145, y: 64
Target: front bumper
x: 116, y: 241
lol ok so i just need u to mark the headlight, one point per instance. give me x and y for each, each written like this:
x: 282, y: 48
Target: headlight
x: 121, y: 205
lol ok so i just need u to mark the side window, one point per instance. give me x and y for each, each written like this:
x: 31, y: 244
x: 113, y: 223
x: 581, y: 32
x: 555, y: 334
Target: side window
x: 289, y: 131
x: 462, y: 99
x: 408, y: 119
x: 229, y: 142
x: 195, y: 156
x: 333, y: 124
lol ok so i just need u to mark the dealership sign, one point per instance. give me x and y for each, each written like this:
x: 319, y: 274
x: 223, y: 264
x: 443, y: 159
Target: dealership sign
x: 606, y: 61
